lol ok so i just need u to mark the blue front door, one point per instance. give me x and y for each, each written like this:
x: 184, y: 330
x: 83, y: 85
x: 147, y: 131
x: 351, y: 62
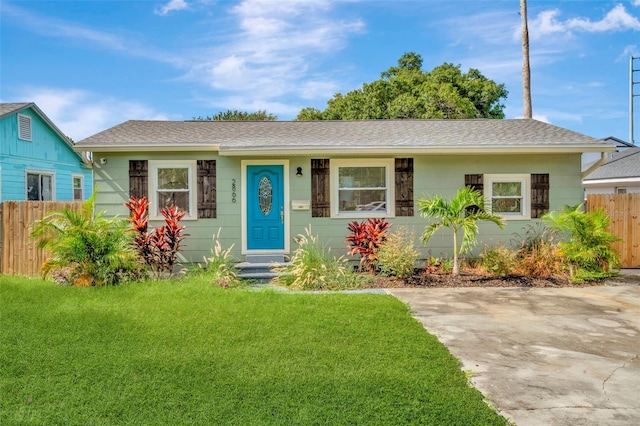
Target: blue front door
x: 265, y: 207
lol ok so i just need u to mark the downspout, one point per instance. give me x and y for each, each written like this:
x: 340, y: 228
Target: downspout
x: 603, y: 159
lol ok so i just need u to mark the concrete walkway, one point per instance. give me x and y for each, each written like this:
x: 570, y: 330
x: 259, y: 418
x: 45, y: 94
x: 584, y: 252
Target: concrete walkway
x: 565, y: 356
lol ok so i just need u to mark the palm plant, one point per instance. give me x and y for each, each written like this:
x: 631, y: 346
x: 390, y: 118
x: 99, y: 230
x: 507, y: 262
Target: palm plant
x: 98, y: 250
x: 588, y: 244
x: 461, y: 214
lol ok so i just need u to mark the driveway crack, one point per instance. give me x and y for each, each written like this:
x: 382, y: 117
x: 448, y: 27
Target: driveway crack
x: 624, y: 364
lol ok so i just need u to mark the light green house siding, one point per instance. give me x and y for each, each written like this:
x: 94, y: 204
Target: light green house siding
x: 433, y: 174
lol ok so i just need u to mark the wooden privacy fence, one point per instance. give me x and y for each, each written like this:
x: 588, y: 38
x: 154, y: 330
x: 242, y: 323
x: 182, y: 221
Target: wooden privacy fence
x: 624, y: 212
x: 19, y: 252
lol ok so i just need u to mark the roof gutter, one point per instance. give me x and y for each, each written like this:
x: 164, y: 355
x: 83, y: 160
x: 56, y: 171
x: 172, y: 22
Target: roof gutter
x: 147, y: 147
x: 603, y: 159
x: 404, y: 150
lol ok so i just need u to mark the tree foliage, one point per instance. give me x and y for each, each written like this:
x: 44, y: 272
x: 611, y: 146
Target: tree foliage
x: 93, y: 249
x: 461, y: 214
x: 588, y: 245
x: 235, y: 115
x: 406, y: 91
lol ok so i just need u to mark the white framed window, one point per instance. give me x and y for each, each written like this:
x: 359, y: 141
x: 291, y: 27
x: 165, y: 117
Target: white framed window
x: 621, y: 190
x: 78, y: 187
x: 24, y: 127
x: 172, y: 183
x: 508, y: 195
x: 39, y: 185
x: 362, y: 188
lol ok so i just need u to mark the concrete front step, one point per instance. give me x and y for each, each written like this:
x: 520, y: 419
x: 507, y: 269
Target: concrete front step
x: 260, y: 268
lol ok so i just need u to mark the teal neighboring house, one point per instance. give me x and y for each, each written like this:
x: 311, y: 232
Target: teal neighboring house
x: 263, y: 182
x: 37, y: 161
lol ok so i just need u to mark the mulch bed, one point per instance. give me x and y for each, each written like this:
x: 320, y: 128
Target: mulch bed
x: 422, y: 279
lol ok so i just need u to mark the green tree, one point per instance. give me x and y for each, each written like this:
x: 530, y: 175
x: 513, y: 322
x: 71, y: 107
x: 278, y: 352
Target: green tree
x: 406, y: 91
x: 461, y: 214
x: 235, y: 115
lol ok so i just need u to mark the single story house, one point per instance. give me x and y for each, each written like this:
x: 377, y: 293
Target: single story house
x: 263, y: 182
x: 37, y: 160
x: 620, y: 174
x: 589, y: 158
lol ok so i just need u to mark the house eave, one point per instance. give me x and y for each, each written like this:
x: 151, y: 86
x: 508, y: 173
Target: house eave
x: 147, y: 147
x: 271, y: 150
x: 606, y: 181
x: 406, y: 150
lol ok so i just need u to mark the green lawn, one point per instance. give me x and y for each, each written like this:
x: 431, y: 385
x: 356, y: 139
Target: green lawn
x: 191, y: 353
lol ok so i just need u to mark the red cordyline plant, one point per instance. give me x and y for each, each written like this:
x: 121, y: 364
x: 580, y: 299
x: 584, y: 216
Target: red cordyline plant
x: 159, y: 248
x: 365, y: 239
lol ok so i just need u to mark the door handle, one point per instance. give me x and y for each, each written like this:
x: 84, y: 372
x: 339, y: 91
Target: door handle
x: 282, y: 215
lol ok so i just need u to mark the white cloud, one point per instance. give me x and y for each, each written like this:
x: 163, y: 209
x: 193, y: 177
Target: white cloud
x: 79, y: 113
x: 547, y: 23
x: 541, y: 117
x: 635, y: 2
x: 172, y: 6
x: 274, y: 49
x: 630, y: 50
x: 618, y: 19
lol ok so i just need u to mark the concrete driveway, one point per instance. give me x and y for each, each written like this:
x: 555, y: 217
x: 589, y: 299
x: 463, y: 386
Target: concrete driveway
x: 565, y: 356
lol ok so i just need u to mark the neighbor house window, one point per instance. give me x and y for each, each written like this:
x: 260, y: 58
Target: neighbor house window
x: 172, y: 184
x: 78, y: 188
x: 621, y: 190
x: 362, y: 188
x: 24, y: 127
x: 39, y: 186
x: 508, y: 195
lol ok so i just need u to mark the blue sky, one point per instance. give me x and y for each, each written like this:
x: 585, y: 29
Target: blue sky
x: 90, y: 65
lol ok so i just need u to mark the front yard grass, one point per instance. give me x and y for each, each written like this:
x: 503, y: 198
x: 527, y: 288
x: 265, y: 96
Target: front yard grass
x: 188, y: 352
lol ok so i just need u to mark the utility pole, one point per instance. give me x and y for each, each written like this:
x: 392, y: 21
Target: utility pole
x: 632, y: 95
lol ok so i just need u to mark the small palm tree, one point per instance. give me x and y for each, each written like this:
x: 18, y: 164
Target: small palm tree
x: 97, y: 249
x: 459, y: 214
x: 589, y: 245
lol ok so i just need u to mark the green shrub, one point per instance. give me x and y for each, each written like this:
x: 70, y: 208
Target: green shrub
x: 437, y: 265
x: 397, y: 256
x: 220, y: 266
x: 312, y: 267
x: 87, y: 250
x: 587, y: 245
x: 498, y: 260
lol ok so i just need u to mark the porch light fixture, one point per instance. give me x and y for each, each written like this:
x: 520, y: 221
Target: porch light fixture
x: 299, y: 171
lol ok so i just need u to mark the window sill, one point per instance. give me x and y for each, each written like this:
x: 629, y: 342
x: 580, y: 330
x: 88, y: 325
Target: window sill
x: 365, y: 214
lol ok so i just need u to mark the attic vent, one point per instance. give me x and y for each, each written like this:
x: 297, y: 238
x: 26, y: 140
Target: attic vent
x: 24, y: 127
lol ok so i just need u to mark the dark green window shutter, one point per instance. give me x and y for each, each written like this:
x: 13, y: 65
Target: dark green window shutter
x: 474, y: 181
x: 404, y: 186
x: 320, y: 189
x: 138, y: 178
x: 539, y: 195
x: 206, y: 189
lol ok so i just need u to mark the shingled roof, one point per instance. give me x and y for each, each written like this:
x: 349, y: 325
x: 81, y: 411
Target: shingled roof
x: 377, y: 136
x: 8, y: 108
x: 623, y: 164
